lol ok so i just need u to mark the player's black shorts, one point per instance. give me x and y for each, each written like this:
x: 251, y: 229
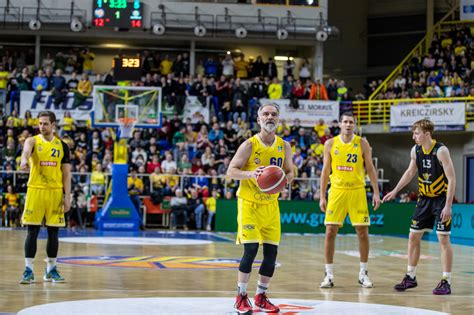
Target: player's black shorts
x: 427, y: 214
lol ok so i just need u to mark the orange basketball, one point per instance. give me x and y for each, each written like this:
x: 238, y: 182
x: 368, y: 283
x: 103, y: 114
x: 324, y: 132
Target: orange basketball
x: 272, y: 180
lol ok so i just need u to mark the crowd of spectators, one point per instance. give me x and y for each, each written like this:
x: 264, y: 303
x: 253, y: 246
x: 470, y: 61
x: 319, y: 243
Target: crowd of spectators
x: 445, y: 71
x: 189, y: 159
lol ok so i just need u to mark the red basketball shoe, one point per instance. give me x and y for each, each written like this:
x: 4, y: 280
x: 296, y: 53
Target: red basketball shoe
x: 242, y: 304
x: 264, y: 304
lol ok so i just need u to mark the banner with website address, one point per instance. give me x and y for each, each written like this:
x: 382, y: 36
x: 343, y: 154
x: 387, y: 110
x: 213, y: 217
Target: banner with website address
x: 46, y: 102
x: 305, y: 217
x: 309, y: 112
x: 445, y: 116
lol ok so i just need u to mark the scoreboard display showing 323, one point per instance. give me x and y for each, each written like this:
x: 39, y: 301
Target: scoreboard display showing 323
x: 117, y: 13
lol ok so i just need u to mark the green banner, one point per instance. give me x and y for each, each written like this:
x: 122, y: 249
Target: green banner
x: 305, y: 217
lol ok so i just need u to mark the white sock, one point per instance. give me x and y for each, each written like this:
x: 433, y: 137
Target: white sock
x: 50, y: 263
x: 363, y: 267
x: 328, y: 268
x: 242, y: 288
x: 447, y: 276
x: 262, y: 287
x: 29, y: 262
x: 411, y: 271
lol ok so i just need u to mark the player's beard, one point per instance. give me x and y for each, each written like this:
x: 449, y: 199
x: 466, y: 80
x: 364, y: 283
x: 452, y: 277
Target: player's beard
x: 270, y: 127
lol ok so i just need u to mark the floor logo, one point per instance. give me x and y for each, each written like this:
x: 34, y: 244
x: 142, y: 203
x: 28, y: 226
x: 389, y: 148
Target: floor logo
x: 156, y: 262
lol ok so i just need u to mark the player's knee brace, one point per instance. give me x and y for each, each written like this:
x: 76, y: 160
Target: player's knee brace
x: 30, y: 243
x: 250, y: 252
x: 52, y: 245
x: 269, y: 260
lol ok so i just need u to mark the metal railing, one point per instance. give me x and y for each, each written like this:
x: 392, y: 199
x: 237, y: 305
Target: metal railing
x: 313, y: 183
x: 378, y: 111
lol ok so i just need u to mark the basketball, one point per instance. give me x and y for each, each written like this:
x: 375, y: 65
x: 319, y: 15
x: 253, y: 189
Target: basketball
x: 272, y: 180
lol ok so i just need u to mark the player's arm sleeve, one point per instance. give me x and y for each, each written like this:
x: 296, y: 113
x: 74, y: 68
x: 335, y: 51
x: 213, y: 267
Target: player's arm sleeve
x: 67, y: 154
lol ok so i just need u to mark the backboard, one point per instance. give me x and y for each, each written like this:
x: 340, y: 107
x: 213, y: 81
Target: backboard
x: 113, y: 102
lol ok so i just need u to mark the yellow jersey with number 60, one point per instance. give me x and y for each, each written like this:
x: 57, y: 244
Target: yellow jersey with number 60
x: 262, y: 155
x: 46, y: 163
x: 347, y: 164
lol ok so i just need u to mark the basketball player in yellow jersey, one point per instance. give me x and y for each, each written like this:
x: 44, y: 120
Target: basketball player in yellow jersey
x: 259, y: 213
x: 344, y: 159
x: 48, y: 196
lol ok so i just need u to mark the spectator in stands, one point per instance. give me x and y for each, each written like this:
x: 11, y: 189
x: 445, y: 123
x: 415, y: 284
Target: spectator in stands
x: 40, y: 84
x: 275, y: 90
x: 166, y: 66
x: 88, y: 61
x: 321, y: 127
x: 195, y: 206
x: 228, y: 66
x: 47, y: 62
x: 288, y: 68
x: 270, y: 69
x: 98, y: 181
x: 305, y: 73
x: 68, y: 125
x: 135, y: 189
x: 73, y: 82
x: 341, y: 90
x: 178, y: 208
x: 84, y: 89
x: 168, y: 163
x: 242, y: 67
x: 3, y: 77
x: 318, y: 91
x: 256, y: 91
x: 12, y: 207
x: 210, y: 67
x: 59, y: 87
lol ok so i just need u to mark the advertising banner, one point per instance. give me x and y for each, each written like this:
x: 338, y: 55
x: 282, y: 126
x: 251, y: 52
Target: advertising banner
x: 28, y: 101
x: 445, y: 116
x: 466, y: 10
x: 305, y: 217
x: 308, y: 112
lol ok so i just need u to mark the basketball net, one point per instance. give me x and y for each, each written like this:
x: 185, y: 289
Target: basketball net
x: 126, y: 126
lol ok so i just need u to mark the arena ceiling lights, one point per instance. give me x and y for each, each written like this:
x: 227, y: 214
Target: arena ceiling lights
x: 76, y: 25
x: 159, y: 29
x: 241, y: 32
x: 282, y: 34
x: 34, y: 25
x: 200, y: 31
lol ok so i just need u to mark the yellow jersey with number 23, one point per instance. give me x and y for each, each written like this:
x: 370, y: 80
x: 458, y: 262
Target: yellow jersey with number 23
x: 347, y: 164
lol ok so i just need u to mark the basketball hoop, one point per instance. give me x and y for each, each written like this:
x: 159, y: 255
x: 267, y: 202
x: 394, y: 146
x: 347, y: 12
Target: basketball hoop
x: 126, y: 126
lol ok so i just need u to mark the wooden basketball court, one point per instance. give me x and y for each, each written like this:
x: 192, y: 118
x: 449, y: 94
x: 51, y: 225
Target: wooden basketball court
x: 176, y: 274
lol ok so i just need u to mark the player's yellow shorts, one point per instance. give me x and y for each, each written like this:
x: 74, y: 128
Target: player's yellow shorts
x: 44, y: 204
x: 344, y: 201
x: 258, y: 223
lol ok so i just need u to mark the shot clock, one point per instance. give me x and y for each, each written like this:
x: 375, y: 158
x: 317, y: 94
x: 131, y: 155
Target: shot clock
x: 127, y: 68
x: 117, y: 13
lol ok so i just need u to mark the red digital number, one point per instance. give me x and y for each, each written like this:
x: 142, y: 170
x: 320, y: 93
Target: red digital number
x: 136, y: 23
x: 99, y: 22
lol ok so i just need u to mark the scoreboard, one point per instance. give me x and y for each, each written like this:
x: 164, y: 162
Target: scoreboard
x: 127, y: 68
x: 117, y: 13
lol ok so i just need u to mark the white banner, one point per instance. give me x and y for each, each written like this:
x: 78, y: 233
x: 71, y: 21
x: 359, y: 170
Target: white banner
x: 309, y: 112
x: 445, y: 116
x: 46, y: 102
x: 466, y: 8
x: 194, y: 109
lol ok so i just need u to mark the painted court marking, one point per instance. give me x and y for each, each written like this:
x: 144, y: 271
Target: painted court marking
x: 133, y: 241
x: 213, y: 306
